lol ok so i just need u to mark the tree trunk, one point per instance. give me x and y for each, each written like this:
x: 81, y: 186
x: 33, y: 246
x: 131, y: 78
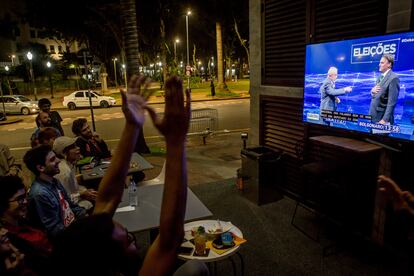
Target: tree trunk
x: 130, y: 36
x: 220, y: 79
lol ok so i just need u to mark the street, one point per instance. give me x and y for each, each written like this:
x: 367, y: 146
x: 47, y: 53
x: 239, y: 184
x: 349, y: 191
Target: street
x: 232, y: 115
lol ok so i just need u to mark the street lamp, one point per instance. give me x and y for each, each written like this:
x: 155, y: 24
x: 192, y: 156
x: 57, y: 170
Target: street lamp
x: 30, y: 57
x: 188, y: 50
x: 176, y: 41
x: 116, y: 81
x: 49, y: 65
x: 125, y: 76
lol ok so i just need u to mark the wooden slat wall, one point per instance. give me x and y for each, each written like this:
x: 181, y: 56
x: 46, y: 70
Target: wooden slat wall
x: 289, y: 24
x: 284, y: 42
x: 346, y: 19
x: 281, y: 122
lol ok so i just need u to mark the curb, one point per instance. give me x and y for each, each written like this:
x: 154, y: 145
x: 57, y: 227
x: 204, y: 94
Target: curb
x: 8, y: 122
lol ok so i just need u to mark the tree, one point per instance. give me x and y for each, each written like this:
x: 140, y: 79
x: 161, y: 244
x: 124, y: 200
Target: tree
x: 130, y: 35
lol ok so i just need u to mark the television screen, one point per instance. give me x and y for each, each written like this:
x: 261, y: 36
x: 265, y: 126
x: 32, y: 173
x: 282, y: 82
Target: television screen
x: 364, y: 85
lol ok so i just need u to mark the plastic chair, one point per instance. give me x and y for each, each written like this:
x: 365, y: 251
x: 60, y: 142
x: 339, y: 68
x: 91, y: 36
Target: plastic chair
x: 160, y: 179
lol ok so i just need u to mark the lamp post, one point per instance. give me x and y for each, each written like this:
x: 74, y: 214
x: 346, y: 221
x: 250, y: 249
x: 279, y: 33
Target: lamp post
x: 125, y: 76
x: 176, y: 41
x: 30, y: 57
x: 3, y: 118
x: 116, y: 81
x: 188, y: 50
x: 49, y: 65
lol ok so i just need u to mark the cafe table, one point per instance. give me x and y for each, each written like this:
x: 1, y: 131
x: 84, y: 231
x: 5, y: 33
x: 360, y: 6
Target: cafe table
x: 146, y: 216
x: 138, y: 163
x: 212, y: 256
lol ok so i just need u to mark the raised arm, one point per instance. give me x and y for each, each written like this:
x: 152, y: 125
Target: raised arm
x: 134, y: 102
x: 161, y: 256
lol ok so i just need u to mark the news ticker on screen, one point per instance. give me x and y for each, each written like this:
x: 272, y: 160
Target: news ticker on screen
x: 353, y: 117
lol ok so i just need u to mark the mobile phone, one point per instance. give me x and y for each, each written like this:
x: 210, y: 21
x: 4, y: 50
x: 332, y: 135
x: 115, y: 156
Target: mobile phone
x: 185, y: 250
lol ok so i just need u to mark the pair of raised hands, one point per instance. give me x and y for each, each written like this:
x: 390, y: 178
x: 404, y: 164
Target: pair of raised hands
x: 174, y: 124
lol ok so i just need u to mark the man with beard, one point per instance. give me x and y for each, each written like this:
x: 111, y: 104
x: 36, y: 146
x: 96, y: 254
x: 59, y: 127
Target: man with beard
x: 50, y: 208
x: 43, y: 121
x: 89, y: 143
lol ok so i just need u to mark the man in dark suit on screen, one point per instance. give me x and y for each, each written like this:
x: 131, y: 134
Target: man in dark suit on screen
x: 385, y: 93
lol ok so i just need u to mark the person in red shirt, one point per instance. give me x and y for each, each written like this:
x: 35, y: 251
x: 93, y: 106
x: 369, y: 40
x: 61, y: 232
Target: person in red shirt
x: 32, y: 242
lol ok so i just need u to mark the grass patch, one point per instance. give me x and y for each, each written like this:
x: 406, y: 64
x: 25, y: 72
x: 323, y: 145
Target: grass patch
x: 157, y: 151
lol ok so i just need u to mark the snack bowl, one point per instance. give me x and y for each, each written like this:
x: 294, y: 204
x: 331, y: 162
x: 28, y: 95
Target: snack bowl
x: 215, y: 230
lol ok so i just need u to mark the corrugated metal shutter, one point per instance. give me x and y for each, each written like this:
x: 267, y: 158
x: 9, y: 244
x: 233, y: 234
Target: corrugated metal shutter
x: 284, y: 42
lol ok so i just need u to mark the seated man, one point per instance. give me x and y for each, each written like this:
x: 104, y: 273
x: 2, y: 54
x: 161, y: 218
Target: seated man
x: 33, y: 243
x: 44, y: 105
x: 66, y: 148
x: 89, y: 144
x: 50, y: 208
x: 103, y: 245
x: 42, y: 120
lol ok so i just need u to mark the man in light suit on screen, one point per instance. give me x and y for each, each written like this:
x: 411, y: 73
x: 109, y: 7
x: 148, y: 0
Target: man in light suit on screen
x: 329, y: 99
x: 385, y: 93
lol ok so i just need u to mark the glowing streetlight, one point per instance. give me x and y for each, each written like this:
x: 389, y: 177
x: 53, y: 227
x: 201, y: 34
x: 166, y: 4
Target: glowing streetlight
x: 125, y: 75
x: 6, y: 68
x: 176, y: 41
x: 116, y: 81
x: 49, y: 66
x: 188, y: 50
x: 29, y: 56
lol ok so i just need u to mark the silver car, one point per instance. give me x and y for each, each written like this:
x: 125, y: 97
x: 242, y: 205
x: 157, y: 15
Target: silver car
x: 18, y: 104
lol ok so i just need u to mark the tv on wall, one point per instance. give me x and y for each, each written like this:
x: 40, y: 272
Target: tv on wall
x: 364, y: 85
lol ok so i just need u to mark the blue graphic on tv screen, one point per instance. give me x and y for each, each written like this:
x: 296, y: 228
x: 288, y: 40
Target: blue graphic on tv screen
x: 372, y: 51
x: 357, y: 62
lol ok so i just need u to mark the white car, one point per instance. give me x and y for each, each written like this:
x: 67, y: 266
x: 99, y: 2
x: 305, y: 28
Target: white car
x: 81, y: 99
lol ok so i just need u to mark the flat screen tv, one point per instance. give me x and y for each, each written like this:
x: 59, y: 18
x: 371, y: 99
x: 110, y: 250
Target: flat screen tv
x: 348, y: 85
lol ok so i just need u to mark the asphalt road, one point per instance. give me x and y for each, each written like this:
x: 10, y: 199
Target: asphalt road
x: 232, y: 115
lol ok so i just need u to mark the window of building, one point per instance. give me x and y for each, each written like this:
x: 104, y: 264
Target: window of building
x: 52, y: 49
x: 60, y: 49
x: 32, y: 34
x: 67, y: 49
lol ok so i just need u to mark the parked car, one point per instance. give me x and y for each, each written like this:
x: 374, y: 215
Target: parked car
x: 81, y: 99
x: 18, y: 104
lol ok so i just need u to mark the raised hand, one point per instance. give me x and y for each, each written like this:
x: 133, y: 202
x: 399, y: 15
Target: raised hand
x: 174, y: 124
x: 134, y: 100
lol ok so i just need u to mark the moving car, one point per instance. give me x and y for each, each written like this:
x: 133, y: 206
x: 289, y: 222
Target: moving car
x: 81, y: 99
x: 18, y: 104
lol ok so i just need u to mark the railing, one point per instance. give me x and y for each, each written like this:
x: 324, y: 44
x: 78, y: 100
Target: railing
x: 204, y: 122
